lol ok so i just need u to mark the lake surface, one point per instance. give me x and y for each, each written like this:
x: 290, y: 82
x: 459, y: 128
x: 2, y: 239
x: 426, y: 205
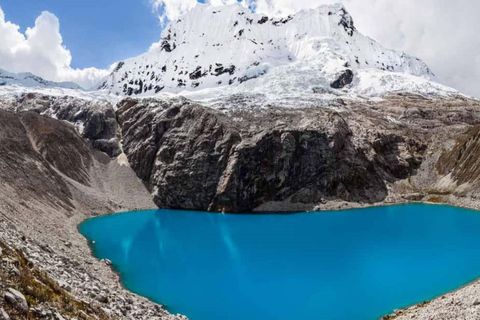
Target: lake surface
x: 355, y: 264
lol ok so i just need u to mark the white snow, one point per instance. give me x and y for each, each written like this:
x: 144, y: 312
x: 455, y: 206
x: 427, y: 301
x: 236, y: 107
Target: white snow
x: 229, y: 47
x: 17, y: 90
x: 219, y: 54
x: 80, y: 126
x: 29, y: 80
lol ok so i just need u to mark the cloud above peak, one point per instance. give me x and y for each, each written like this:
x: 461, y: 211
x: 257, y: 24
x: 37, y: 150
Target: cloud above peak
x: 171, y: 10
x: 41, y: 51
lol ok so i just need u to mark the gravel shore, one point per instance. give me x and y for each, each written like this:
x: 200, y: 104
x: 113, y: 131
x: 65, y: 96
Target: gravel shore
x: 42, y: 202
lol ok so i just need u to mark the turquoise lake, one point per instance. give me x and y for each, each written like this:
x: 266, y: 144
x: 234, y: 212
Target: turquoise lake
x: 354, y: 264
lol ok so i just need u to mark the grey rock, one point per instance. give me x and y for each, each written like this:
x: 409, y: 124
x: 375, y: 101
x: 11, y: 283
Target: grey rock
x: 65, y: 285
x: 102, y: 298
x: 343, y: 79
x: 110, y: 147
x: 320, y: 90
x: 107, y: 262
x: 97, y: 118
x: 17, y: 300
x: 15, y: 271
x: 58, y: 316
x: 4, y: 315
x: 82, y: 315
x: 194, y: 157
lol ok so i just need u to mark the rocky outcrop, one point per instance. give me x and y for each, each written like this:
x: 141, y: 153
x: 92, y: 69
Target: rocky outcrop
x: 94, y: 120
x: 22, y: 166
x: 180, y: 150
x: 344, y: 79
x: 462, y: 161
x: 195, y: 157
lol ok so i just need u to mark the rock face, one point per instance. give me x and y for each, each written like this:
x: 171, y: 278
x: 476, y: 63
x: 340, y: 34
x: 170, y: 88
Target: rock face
x: 462, y: 160
x: 94, y: 120
x: 195, y: 157
x: 22, y: 166
x: 4, y: 315
x: 181, y: 151
x: 344, y: 79
x: 238, y: 159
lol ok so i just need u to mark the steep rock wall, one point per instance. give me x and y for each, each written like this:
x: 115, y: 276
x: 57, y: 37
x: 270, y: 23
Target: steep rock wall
x: 195, y: 157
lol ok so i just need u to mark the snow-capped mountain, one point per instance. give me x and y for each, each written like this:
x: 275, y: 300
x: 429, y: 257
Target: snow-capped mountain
x: 230, y: 47
x: 30, y: 80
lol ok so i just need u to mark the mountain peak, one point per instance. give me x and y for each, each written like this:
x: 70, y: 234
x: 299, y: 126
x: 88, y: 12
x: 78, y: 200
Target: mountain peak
x: 227, y: 46
x: 27, y: 79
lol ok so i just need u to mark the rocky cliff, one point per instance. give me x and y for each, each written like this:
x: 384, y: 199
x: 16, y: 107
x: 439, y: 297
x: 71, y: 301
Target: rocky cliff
x: 94, y: 119
x: 195, y: 157
x: 237, y: 157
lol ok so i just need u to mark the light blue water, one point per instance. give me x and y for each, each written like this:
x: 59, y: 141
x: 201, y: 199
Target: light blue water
x: 356, y: 264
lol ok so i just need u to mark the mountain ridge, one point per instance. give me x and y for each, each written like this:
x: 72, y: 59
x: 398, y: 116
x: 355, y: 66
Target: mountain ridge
x: 217, y: 47
x: 27, y: 79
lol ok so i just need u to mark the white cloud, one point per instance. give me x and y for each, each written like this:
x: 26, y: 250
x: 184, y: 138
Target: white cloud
x: 41, y: 52
x: 170, y: 10
x: 443, y: 33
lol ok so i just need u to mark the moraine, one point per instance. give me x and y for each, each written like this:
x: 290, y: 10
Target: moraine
x: 355, y: 264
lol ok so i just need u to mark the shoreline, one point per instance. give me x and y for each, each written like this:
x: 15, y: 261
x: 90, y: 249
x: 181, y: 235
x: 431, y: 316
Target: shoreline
x: 396, y: 313
x: 402, y: 310
x: 112, y: 266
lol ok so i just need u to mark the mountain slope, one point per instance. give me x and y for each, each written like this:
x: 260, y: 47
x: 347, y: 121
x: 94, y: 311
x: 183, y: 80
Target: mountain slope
x: 320, y: 50
x: 30, y: 80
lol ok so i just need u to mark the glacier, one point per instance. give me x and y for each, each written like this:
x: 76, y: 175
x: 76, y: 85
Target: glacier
x: 215, y: 51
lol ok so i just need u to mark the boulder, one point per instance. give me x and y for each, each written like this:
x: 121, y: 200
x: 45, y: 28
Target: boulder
x: 17, y: 300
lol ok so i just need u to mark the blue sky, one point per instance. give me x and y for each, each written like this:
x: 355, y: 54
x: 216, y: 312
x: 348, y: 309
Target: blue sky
x: 97, y: 32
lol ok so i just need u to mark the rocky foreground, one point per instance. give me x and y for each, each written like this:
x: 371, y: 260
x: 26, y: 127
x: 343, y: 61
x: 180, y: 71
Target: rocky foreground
x: 64, y: 159
x: 51, y: 180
